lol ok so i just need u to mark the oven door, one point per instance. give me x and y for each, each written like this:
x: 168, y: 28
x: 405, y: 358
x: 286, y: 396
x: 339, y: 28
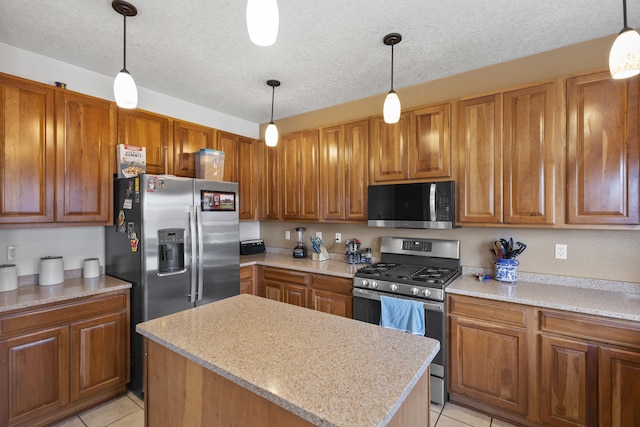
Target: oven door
x: 366, y: 307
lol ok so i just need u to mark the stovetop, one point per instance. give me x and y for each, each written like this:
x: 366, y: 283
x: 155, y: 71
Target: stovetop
x: 419, y: 268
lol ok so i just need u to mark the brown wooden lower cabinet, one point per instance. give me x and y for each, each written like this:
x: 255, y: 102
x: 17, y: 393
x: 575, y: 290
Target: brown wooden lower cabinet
x: 322, y: 292
x: 59, y: 359
x: 247, y: 281
x: 547, y: 367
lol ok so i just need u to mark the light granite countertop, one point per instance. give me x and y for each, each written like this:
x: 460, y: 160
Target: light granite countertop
x: 601, y: 302
x: 308, y: 362
x: 34, y: 295
x: 333, y: 267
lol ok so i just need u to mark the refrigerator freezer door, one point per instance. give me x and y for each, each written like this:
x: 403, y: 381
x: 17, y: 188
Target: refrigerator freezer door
x: 217, y: 203
x: 165, y: 201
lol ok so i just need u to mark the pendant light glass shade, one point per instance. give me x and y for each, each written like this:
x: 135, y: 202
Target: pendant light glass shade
x: 263, y: 21
x: 624, y: 57
x: 125, y: 90
x: 391, y: 109
x: 271, y: 135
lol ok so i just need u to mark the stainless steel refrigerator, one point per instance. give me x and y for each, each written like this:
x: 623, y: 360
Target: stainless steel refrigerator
x: 176, y: 240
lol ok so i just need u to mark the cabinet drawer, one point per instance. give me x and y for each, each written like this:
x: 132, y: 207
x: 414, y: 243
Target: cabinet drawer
x: 336, y: 284
x: 288, y: 276
x: 62, y: 313
x: 246, y: 272
x: 483, y: 309
x: 591, y: 327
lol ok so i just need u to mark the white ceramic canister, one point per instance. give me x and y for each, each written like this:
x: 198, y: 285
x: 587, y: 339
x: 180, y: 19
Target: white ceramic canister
x: 51, y: 270
x: 8, y: 277
x: 91, y: 268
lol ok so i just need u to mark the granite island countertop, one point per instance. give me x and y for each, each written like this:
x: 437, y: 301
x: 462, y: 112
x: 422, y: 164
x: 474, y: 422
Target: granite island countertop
x: 601, y: 302
x: 307, y: 362
x: 34, y: 295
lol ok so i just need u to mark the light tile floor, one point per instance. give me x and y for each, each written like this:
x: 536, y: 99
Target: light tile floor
x: 127, y: 411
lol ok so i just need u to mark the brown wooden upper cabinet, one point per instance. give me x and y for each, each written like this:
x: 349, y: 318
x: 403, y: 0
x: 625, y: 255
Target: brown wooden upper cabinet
x: 270, y: 181
x: 299, y: 164
x: 188, y: 139
x: 153, y: 131
x: 344, y: 171
x: 27, y: 151
x: 506, y: 157
x: 602, y: 150
x: 228, y: 142
x: 418, y: 147
x: 86, y: 129
x: 248, y: 161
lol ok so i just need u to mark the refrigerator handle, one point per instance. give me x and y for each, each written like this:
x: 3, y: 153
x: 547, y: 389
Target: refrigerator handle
x: 194, y: 255
x: 200, y: 252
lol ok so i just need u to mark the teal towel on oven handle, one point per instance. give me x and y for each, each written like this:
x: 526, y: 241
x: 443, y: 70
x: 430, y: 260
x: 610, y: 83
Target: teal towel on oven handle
x: 402, y: 314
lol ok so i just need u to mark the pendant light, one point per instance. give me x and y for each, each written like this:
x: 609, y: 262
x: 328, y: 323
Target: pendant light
x: 624, y: 57
x: 271, y: 134
x: 391, y: 108
x: 263, y: 21
x: 124, y: 88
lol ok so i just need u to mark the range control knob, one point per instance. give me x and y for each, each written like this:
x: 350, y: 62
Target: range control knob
x: 414, y: 291
x: 374, y: 284
x: 365, y: 283
x: 393, y: 287
x: 427, y: 292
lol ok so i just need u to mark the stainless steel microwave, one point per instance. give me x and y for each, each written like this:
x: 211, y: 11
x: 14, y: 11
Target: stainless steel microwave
x: 414, y: 205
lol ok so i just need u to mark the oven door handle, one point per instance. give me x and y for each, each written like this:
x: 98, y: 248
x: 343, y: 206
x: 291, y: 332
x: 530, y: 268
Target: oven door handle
x: 373, y: 295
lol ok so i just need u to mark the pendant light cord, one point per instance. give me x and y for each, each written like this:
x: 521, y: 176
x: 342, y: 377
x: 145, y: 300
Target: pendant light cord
x: 624, y: 12
x: 124, y: 54
x: 273, y: 93
x: 392, y: 66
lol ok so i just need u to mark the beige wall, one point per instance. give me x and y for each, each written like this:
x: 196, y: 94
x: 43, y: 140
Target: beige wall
x: 600, y: 254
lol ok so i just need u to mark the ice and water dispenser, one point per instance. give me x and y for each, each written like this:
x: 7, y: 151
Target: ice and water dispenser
x: 171, y: 251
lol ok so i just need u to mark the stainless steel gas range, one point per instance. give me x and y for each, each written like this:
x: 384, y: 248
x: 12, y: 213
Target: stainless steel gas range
x: 415, y: 269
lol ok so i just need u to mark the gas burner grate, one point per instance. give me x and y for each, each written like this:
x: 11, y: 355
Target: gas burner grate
x: 434, y: 275
x: 378, y: 269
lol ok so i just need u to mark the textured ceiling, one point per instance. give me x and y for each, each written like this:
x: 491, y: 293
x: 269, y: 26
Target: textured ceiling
x: 328, y: 52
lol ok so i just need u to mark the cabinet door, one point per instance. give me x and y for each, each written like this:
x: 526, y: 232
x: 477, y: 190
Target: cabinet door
x: 479, y: 154
x: 602, y: 150
x: 85, y: 140
x: 356, y: 169
x: 333, y: 303
x: 98, y: 354
x: 389, y: 149
x: 247, y: 178
x: 270, y: 182
x: 308, y: 169
x: 489, y: 362
x: 332, y: 164
x: 228, y: 143
x: 568, y: 382
x: 34, y: 376
x: 529, y: 160
x: 188, y: 139
x: 153, y: 131
x: 289, y: 147
x: 619, y: 387
x: 295, y: 294
x: 247, y: 282
x: 27, y: 151
x: 430, y: 143
x: 272, y: 290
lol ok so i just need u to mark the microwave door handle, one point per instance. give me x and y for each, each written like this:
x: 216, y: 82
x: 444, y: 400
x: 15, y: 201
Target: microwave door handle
x: 432, y: 203
x: 194, y: 256
x: 200, y: 253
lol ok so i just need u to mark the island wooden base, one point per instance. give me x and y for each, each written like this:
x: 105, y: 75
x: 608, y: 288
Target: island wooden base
x: 180, y: 392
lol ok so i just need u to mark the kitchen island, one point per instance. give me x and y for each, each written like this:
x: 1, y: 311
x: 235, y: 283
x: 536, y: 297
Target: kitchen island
x: 247, y: 360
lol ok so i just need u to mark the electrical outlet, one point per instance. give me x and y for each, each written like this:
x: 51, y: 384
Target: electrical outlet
x: 287, y: 235
x: 338, y: 237
x: 561, y: 251
x: 319, y: 234
x: 13, y: 253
